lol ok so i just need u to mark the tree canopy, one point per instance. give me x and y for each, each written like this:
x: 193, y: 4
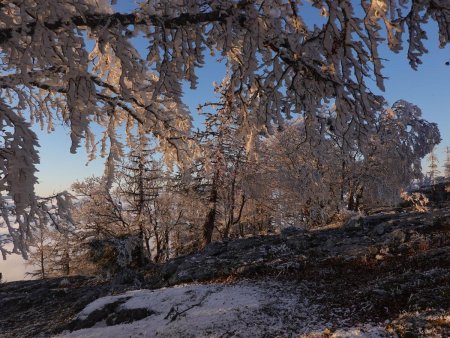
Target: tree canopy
x: 76, y: 62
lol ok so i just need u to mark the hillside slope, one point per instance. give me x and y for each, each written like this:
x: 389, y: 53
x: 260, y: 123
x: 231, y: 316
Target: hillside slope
x: 384, y: 274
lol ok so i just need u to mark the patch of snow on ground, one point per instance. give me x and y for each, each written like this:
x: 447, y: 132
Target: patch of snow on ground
x: 243, y: 309
x: 98, y: 304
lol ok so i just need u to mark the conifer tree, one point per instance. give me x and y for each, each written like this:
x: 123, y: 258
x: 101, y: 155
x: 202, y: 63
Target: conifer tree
x: 433, y: 166
x: 142, y: 184
x: 447, y: 163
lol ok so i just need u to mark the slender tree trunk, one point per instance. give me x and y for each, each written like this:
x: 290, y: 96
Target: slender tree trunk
x: 157, y: 242
x: 238, y: 219
x: 342, y: 180
x: 42, y: 256
x: 66, y: 263
x: 141, y: 238
x: 42, y: 264
x: 232, y: 197
x: 178, y: 242
x: 141, y: 209
x: 147, y: 246
x: 166, y: 244
x: 208, y: 226
x: 359, y: 196
x: 232, y: 202
x: 350, y: 201
x: 147, y: 239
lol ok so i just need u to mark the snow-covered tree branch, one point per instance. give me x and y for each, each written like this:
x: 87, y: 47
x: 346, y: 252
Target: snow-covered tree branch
x: 78, y: 62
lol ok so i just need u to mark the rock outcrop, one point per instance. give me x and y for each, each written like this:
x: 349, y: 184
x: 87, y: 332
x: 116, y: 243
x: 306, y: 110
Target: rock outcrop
x: 39, y: 308
x: 375, y: 240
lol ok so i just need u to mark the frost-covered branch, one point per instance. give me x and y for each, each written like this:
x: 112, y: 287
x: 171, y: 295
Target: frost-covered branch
x: 79, y: 62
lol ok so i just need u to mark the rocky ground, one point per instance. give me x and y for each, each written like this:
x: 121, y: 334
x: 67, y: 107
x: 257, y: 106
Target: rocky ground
x: 388, y: 273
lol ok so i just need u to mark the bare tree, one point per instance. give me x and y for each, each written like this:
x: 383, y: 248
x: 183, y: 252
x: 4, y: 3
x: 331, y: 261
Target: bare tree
x: 311, y: 177
x: 54, y: 244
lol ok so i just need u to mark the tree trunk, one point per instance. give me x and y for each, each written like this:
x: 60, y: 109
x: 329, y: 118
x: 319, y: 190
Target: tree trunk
x: 342, y: 180
x: 238, y: 220
x: 42, y: 264
x: 359, y: 196
x: 166, y: 244
x: 66, y: 262
x: 351, y: 202
x: 42, y: 254
x: 141, y: 236
x: 208, y: 226
x: 147, y: 246
x: 157, y: 242
x: 232, y: 198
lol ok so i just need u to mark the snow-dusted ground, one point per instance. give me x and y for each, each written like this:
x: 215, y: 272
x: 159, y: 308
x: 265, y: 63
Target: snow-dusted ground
x: 243, y: 309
